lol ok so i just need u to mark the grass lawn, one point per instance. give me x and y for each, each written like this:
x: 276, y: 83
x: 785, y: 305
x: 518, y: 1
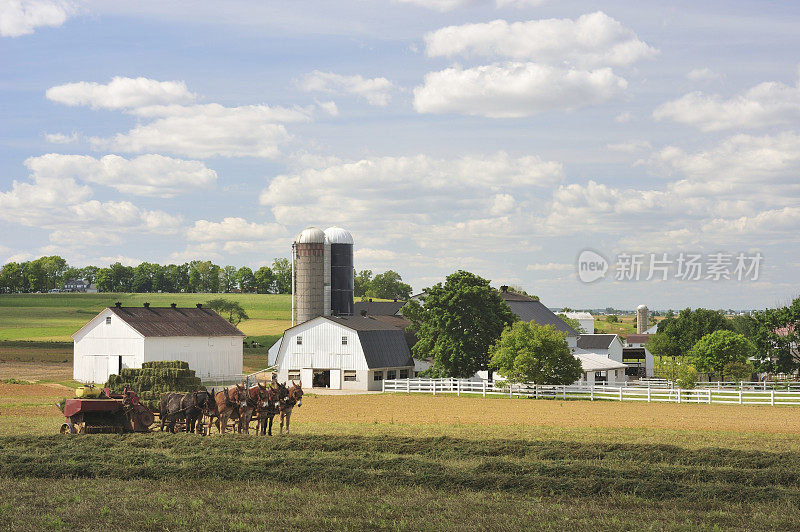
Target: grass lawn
x: 55, y: 317
x: 416, y: 462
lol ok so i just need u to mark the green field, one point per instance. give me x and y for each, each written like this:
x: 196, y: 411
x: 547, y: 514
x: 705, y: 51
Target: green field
x: 55, y: 317
x: 399, y: 462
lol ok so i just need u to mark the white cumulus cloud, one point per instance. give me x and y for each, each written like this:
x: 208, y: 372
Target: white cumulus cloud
x: 591, y: 40
x: 61, y: 138
x: 147, y: 175
x: 121, y: 93
x: 767, y: 104
x: 514, y: 89
x: 233, y: 229
x: 22, y: 17
x: 209, y: 130
x: 376, y: 91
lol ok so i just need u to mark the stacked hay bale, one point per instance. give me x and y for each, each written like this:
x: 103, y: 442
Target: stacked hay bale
x: 155, y: 379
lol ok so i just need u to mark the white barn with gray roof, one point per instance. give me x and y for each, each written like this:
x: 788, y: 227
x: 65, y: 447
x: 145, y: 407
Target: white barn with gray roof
x: 337, y: 352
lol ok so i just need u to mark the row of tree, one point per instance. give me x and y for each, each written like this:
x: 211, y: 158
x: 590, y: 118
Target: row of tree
x: 766, y: 341
x: 386, y: 285
x: 464, y: 326
x: 47, y: 273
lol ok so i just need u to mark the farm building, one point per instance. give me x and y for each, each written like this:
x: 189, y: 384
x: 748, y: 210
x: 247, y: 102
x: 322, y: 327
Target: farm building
x: 344, y: 352
x: 584, y: 319
x: 124, y: 337
x: 637, y: 356
x: 599, y: 369
x: 527, y: 309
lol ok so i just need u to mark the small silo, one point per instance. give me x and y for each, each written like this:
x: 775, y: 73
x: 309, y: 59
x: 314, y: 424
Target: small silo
x: 341, y: 260
x: 642, y: 316
x: 309, y: 259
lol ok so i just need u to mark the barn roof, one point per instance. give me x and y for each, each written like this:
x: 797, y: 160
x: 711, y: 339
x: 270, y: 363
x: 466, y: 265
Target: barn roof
x: 384, y: 345
x: 378, y: 308
x: 595, y: 341
x: 175, y: 321
x: 595, y: 362
x: 637, y: 338
x: 527, y: 309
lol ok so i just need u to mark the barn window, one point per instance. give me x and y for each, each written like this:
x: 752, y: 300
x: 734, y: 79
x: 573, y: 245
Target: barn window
x: 350, y: 376
x: 378, y: 376
x: 391, y: 374
x: 403, y: 373
x: 344, y: 340
x: 299, y: 340
x: 108, y: 320
x: 294, y: 375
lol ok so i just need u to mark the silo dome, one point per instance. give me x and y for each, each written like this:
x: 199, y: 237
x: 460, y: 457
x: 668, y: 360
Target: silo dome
x: 312, y: 235
x: 337, y: 235
x: 641, y: 307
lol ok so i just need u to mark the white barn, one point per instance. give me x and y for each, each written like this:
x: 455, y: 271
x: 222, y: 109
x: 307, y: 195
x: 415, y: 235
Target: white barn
x: 354, y: 353
x: 585, y: 320
x: 124, y: 337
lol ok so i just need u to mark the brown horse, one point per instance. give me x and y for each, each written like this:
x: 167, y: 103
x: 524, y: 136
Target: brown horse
x: 270, y: 407
x: 295, y: 397
x: 229, y: 400
x: 255, y: 395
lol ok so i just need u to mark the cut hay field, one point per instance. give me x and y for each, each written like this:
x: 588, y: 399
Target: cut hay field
x: 54, y: 317
x: 373, y: 462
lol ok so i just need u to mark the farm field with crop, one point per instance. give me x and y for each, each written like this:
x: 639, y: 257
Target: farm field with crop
x: 54, y: 317
x: 413, y: 463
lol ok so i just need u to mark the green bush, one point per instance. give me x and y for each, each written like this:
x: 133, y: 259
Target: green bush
x: 687, y: 377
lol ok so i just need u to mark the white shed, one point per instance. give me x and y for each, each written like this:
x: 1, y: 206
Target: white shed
x: 124, y: 337
x: 585, y: 319
x: 353, y: 352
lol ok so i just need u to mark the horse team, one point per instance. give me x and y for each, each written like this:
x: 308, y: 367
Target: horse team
x: 203, y: 409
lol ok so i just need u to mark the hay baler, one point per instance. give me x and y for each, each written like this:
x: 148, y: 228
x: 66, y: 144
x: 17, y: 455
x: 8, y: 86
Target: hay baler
x: 109, y: 413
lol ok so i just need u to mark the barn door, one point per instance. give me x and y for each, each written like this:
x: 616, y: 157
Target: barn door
x: 100, y: 369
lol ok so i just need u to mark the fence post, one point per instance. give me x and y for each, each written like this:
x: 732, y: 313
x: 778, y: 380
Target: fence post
x: 709, y: 396
x: 408, y: 386
x: 679, y: 395
x: 565, y: 393
x: 434, y: 386
x: 648, y: 393
x: 510, y: 390
x: 620, y: 394
x: 484, y: 388
x: 591, y: 393
x: 740, y: 396
x: 772, y: 397
x: 383, y: 386
x: 458, y: 387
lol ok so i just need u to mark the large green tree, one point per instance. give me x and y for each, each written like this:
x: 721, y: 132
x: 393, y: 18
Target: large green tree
x: 389, y: 285
x: 719, y: 348
x: 282, y: 271
x: 246, y: 279
x: 361, y: 282
x: 778, y: 338
x: 265, y: 280
x: 228, y: 309
x: 685, y: 329
x: 457, y: 323
x: 529, y: 352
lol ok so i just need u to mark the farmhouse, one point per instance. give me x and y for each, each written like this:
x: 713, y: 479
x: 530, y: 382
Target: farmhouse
x: 124, y: 337
x: 344, y: 352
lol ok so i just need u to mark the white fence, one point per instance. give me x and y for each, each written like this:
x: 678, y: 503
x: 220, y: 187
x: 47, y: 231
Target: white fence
x: 649, y: 394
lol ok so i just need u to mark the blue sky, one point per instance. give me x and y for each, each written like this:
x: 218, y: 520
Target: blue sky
x: 499, y: 136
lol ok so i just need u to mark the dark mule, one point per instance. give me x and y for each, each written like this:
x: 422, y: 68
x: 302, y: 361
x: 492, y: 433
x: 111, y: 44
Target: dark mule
x: 255, y: 395
x: 270, y: 407
x: 228, y: 402
x: 188, y: 407
x: 294, y: 398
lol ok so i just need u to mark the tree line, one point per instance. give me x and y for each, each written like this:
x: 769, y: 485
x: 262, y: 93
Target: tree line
x: 47, y: 273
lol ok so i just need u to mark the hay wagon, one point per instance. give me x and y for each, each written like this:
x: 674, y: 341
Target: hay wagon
x: 111, y: 413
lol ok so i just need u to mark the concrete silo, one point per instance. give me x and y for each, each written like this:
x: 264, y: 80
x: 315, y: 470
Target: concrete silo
x: 308, y: 256
x: 642, y: 317
x: 341, y: 270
